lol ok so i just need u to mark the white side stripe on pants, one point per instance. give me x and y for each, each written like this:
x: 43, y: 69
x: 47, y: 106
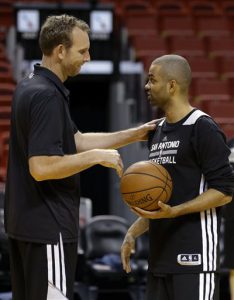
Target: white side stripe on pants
x: 56, y: 267
x: 201, y: 287
x: 64, y: 284
x: 206, y: 286
x: 214, y: 218
x: 212, y: 285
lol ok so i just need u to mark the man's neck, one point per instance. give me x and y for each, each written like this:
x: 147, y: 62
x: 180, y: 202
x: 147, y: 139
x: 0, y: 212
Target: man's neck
x: 49, y: 63
x: 177, y: 111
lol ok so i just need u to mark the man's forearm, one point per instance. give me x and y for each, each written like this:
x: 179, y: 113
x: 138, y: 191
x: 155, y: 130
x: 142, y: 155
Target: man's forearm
x: 140, y: 226
x: 100, y: 140
x: 58, y: 167
x: 209, y: 199
x: 114, y: 140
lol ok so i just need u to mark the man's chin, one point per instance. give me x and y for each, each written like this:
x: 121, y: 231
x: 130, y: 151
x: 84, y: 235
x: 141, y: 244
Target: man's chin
x: 75, y: 73
x: 150, y: 99
x: 152, y: 102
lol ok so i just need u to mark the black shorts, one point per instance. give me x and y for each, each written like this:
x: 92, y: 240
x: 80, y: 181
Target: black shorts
x: 42, y: 272
x: 203, y: 286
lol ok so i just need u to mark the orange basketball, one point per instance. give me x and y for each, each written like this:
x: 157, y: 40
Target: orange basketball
x: 144, y: 183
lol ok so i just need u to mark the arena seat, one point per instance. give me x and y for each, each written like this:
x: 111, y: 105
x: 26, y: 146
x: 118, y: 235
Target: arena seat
x: 187, y: 46
x: 5, y: 112
x: 5, y: 100
x: 7, y: 88
x: 141, y: 25
x: 137, y: 7
x: 226, y: 67
x: 213, y: 26
x: 220, y: 47
x: 103, y: 267
x: 209, y: 90
x: 203, y: 67
x: 177, y: 26
x: 228, y: 130
x: 138, y: 17
x: 149, y: 45
x: 4, y: 125
x: 147, y: 60
x: 231, y: 86
x: 170, y: 7
x: 228, y: 8
x: 204, y: 8
x: 107, y: 231
x: 223, y: 112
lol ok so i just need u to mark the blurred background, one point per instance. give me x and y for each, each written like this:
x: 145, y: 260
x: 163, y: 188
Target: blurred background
x: 108, y: 94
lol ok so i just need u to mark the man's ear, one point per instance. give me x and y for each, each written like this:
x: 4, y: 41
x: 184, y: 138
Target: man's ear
x: 172, y: 86
x: 60, y: 51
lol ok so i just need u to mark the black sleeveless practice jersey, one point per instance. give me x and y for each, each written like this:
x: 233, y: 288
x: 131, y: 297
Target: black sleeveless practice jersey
x: 195, y: 153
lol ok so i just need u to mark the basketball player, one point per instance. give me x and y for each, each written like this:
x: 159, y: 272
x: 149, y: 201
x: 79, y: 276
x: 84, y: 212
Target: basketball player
x: 183, y: 234
x: 47, y: 153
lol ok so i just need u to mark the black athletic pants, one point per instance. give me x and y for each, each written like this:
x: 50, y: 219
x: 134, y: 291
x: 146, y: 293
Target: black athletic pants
x: 42, y: 272
x: 203, y: 286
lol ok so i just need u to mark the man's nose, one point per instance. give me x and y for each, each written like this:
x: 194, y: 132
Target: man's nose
x: 87, y: 57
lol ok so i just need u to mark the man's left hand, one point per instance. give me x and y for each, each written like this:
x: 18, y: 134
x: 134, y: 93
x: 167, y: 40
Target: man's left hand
x: 165, y: 211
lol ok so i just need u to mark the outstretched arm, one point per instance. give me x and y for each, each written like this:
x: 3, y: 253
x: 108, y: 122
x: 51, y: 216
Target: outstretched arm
x: 114, y: 140
x: 57, y: 167
x: 140, y: 226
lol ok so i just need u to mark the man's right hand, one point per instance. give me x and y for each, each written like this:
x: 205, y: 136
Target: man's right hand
x: 127, y: 248
x: 110, y: 158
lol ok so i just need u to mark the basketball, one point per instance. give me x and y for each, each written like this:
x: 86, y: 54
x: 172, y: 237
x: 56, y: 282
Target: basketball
x: 144, y: 183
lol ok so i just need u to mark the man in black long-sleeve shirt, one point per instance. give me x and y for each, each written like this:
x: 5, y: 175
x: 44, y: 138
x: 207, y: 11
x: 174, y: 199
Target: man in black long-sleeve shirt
x: 184, y: 234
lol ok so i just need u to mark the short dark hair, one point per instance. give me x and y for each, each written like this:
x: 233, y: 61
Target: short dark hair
x: 175, y: 67
x: 57, y: 30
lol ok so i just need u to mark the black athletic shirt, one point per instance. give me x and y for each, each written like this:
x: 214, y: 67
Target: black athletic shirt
x: 38, y: 211
x: 195, y: 153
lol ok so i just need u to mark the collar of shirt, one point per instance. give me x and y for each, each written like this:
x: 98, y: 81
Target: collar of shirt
x: 173, y: 126
x: 39, y: 70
